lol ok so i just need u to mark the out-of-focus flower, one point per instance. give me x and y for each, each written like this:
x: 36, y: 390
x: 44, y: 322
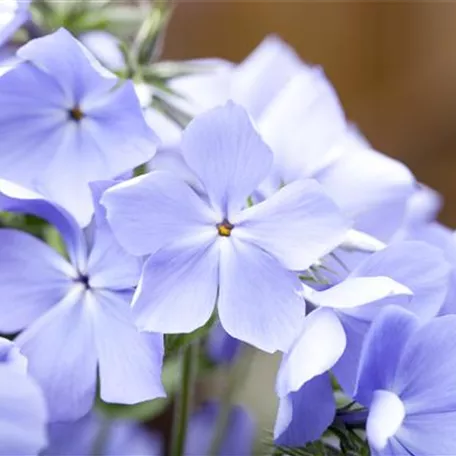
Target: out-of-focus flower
x: 75, y: 315
x: 23, y: 414
x: 299, y: 116
x: 66, y: 121
x: 96, y: 435
x: 407, y: 381
x: 332, y: 335
x: 221, y: 347
x: 239, y: 435
x: 417, y: 265
x: 13, y: 13
x: 204, y: 246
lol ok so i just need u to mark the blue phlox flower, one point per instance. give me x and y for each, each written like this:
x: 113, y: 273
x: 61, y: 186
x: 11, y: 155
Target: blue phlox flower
x: 208, y: 247
x: 411, y: 274
x: 322, y: 339
x: 239, y: 434
x: 13, y: 13
x: 67, y: 121
x: 23, y: 414
x: 300, y: 117
x: 421, y: 268
x: 75, y: 314
x: 407, y: 381
x: 95, y: 434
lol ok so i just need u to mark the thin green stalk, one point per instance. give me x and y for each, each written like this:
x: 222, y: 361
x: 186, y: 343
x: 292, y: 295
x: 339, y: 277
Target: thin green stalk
x: 184, y: 399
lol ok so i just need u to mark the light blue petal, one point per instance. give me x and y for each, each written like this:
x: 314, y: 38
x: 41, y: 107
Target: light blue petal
x: 354, y: 292
x: 109, y: 265
x: 298, y: 225
x: 425, y: 377
x: 393, y: 448
x: 442, y: 237
x: 180, y: 280
x: 34, y: 278
x: 429, y: 434
x: 260, y: 77
x: 13, y: 14
x: 153, y: 211
x: 417, y: 265
x: 346, y: 368
x: 303, y: 416
x: 14, y: 198
x: 129, y: 371
x: 61, y: 55
x: 11, y: 356
x: 259, y: 301
x: 370, y: 187
x: 422, y: 207
x: 31, y: 123
x: 318, y: 347
x: 386, y: 414
x: 60, y: 349
x: 382, y: 351
x: 119, y: 138
x: 23, y: 415
x: 302, y: 124
x: 170, y: 159
x: 205, y: 89
x: 227, y: 154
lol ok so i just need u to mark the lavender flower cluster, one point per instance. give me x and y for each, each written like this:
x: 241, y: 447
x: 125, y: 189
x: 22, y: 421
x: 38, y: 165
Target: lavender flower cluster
x: 262, y: 219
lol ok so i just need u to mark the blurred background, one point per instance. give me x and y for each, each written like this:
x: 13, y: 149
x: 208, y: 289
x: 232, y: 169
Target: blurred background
x: 393, y: 64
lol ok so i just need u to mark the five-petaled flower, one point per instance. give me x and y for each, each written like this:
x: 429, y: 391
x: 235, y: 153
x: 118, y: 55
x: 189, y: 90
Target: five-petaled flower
x: 211, y: 247
x: 67, y: 121
x: 75, y: 315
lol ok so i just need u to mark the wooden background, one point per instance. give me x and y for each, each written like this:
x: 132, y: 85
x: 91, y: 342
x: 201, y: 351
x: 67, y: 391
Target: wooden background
x: 393, y: 64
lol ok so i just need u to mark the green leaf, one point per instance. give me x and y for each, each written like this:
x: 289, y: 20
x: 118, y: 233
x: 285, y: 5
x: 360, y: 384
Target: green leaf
x: 166, y: 70
x: 172, y: 112
x: 351, y: 444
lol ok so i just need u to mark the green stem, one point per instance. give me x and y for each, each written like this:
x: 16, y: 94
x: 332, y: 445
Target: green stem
x: 184, y: 399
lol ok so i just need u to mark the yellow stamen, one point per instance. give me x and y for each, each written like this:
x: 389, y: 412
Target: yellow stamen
x: 225, y: 228
x: 76, y: 113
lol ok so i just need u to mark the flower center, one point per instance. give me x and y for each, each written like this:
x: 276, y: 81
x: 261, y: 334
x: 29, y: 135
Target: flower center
x: 76, y: 114
x: 84, y: 279
x: 225, y: 228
